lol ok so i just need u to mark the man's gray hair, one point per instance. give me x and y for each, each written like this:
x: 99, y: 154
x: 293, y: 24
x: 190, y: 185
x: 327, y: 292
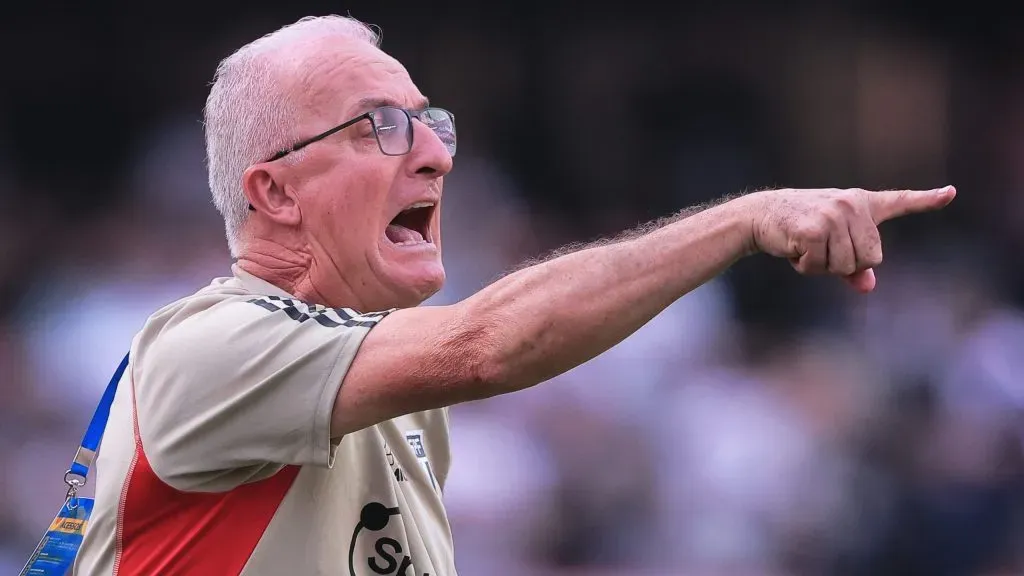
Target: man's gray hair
x: 252, y: 111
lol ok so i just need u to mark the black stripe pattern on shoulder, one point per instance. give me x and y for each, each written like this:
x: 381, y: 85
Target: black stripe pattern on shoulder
x: 322, y: 315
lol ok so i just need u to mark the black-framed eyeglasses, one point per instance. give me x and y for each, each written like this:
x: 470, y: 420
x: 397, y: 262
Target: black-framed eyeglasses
x: 392, y: 127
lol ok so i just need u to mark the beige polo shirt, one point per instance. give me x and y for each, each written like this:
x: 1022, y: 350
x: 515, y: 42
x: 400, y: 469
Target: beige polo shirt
x: 217, y: 458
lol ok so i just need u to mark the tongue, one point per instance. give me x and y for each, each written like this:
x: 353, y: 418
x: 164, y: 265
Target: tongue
x: 399, y: 234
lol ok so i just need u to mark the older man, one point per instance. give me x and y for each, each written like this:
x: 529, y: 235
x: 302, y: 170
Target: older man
x: 291, y: 418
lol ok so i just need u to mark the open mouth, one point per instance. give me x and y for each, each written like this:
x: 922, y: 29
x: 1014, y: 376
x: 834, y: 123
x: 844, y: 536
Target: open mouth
x: 411, y: 226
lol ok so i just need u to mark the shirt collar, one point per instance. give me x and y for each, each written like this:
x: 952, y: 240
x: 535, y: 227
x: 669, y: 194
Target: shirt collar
x: 257, y: 285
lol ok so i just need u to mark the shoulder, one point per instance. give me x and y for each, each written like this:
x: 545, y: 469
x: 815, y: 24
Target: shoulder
x: 203, y: 322
x: 227, y: 322
x: 214, y: 304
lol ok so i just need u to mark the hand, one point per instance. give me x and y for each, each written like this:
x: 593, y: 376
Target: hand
x: 835, y: 231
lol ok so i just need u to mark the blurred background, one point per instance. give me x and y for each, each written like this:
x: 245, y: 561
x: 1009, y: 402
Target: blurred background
x: 766, y: 424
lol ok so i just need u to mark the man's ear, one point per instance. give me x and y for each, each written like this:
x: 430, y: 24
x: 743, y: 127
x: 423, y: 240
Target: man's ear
x: 269, y: 196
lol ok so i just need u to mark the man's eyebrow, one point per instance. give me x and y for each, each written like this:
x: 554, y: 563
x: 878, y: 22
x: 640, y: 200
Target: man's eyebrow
x: 371, y: 102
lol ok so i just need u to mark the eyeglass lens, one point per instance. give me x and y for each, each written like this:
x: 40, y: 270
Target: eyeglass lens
x: 394, y: 128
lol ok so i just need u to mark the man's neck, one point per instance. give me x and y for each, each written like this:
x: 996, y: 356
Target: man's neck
x: 290, y: 273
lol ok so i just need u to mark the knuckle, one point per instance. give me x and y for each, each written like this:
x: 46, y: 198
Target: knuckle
x: 871, y: 255
x: 813, y: 230
x: 815, y: 260
x: 844, y: 264
x: 833, y: 212
x: 849, y: 202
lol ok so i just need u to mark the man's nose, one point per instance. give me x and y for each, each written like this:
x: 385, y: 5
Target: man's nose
x: 429, y: 155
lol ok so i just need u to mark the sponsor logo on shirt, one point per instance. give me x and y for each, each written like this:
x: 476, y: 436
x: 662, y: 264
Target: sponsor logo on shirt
x: 389, y: 556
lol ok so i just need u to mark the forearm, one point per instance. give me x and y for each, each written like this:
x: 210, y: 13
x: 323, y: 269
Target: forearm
x: 553, y: 316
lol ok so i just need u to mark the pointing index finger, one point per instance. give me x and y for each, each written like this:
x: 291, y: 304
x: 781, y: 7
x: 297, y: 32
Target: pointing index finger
x: 889, y: 204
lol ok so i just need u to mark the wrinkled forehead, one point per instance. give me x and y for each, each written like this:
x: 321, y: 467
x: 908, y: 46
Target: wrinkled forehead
x: 346, y: 77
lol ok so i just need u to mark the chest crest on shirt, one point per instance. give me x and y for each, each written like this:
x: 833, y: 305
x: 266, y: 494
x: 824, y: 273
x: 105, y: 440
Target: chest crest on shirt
x: 415, y: 440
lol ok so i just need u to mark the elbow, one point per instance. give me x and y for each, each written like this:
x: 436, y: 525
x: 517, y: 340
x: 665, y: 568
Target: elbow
x: 491, y: 376
x: 479, y: 351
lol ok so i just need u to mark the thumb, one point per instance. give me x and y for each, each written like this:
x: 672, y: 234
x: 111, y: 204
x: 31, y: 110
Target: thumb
x: 862, y: 281
x: 890, y: 204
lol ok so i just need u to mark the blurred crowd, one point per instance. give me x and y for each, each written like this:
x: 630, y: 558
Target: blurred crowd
x: 765, y: 424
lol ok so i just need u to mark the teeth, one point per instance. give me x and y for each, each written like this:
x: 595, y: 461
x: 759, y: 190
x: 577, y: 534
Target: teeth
x: 410, y: 242
x: 419, y: 205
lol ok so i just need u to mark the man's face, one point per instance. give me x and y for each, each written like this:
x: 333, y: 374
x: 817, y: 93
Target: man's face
x: 372, y: 221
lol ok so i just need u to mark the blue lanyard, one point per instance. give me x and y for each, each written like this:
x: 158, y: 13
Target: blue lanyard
x: 76, y: 475
x: 58, y: 549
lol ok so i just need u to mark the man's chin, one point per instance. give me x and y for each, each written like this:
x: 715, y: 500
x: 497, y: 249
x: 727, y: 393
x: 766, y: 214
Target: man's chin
x: 412, y: 287
x: 413, y: 274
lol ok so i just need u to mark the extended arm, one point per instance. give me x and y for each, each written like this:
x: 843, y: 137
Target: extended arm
x: 548, y: 318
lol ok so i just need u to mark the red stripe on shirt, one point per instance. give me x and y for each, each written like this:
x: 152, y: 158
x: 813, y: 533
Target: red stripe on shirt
x: 165, y: 531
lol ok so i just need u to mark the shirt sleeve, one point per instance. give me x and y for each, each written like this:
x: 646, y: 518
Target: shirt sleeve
x: 231, y: 393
